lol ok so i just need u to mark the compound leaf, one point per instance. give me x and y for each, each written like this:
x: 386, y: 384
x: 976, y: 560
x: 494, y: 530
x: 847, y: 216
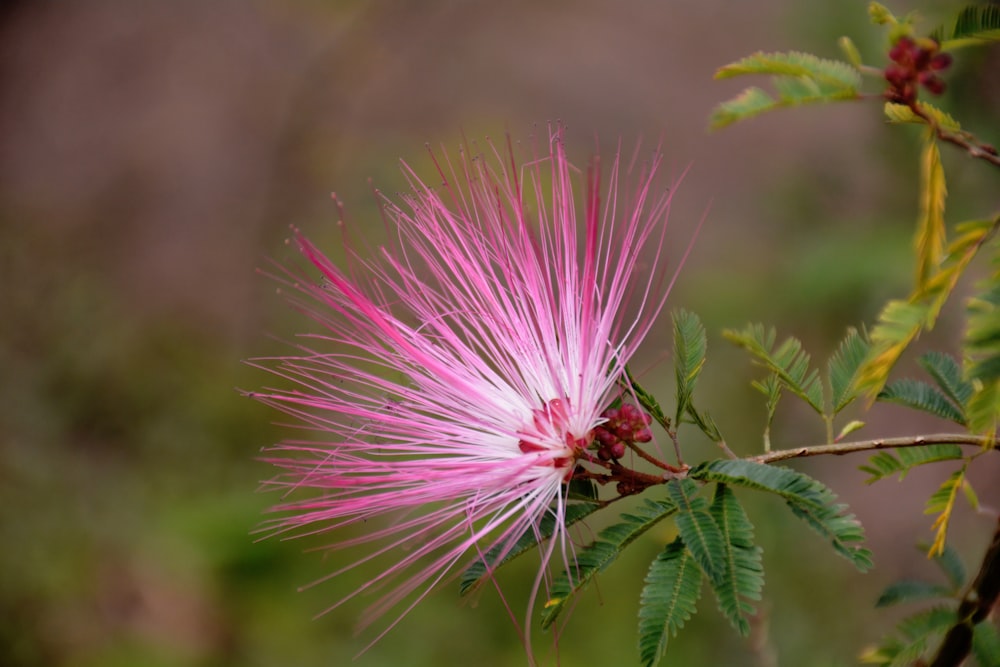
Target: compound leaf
x: 668, y: 600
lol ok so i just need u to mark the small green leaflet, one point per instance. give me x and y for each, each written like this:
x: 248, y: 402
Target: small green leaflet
x: 690, y: 347
x: 843, y: 368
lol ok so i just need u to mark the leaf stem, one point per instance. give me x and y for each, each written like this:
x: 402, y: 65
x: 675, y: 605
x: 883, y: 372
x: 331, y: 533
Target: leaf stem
x: 841, y: 448
x: 963, y: 140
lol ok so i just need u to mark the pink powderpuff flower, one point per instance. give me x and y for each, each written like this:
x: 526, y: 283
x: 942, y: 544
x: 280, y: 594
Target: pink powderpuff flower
x: 459, y: 375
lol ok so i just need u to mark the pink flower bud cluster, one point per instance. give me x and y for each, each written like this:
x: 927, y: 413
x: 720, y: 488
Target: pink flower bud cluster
x: 624, y: 425
x: 915, y: 63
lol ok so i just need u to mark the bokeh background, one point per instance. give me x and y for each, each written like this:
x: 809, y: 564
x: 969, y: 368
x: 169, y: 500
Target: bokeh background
x: 153, y: 154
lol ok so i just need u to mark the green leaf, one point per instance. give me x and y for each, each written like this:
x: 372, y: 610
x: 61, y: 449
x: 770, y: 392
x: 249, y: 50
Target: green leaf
x: 743, y: 574
x: 910, y: 590
x: 800, y: 78
x: 975, y: 24
x: 704, y: 421
x: 902, y: 321
x: 849, y: 427
x: 749, y: 103
x: 880, y: 14
x: 771, y: 388
x: 951, y: 565
x: 930, y: 238
x: 843, y: 368
x: 808, y: 499
x: 697, y: 528
x: 948, y: 376
x: 942, y: 503
x: 830, y: 74
x: 922, y: 396
x: 504, y: 553
x: 668, y: 600
x: 850, y: 51
x: 917, y: 632
x: 986, y: 645
x: 646, y: 400
x: 600, y: 553
x: 898, y: 324
x: 886, y: 464
x: 690, y: 347
x: 789, y: 361
x: 901, y: 113
x: 982, y: 349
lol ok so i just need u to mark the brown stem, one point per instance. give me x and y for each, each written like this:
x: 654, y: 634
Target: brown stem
x: 841, y: 448
x: 655, y: 461
x: 963, y: 140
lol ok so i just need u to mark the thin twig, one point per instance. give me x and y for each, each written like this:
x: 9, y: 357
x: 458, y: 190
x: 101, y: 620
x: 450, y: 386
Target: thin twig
x: 841, y: 448
x: 652, y: 459
x: 963, y: 140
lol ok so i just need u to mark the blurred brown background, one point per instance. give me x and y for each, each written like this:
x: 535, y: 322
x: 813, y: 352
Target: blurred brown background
x: 152, y: 154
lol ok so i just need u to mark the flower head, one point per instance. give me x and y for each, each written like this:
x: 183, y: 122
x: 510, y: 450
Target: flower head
x: 461, y: 374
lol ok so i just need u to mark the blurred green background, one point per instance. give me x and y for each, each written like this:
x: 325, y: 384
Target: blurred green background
x: 153, y: 154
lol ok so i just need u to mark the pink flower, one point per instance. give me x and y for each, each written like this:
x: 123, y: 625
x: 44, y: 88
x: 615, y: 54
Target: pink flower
x: 457, y: 378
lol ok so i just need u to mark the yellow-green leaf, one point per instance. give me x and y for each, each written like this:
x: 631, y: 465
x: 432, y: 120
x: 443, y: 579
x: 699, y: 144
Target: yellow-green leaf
x: 930, y: 237
x: 942, y: 502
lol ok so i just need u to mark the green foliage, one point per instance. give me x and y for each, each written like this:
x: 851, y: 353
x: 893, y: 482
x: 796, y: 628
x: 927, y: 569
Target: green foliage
x: 948, y: 376
x: 930, y: 238
x: 917, y: 632
x: 833, y: 73
x: 986, y: 645
x: 808, y: 499
x: 886, y: 464
x: 922, y: 396
x: 975, y: 24
x: 582, y: 489
x: 715, y: 541
x: 668, y: 600
x: 501, y: 554
x: 982, y: 348
x: 911, y: 590
x: 788, y: 361
x: 880, y: 14
x: 799, y: 78
x: 690, y: 347
x: 951, y: 566
x: 901, y: 113
x: 900, y: 322
x: 850, y: 51
x: 646, y: 400
x: 697, y: 528
x: 600, y: 553
x: 742, y: 576
x: 771, y: 388
x: 942, y: 503
x: 843, y: 368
